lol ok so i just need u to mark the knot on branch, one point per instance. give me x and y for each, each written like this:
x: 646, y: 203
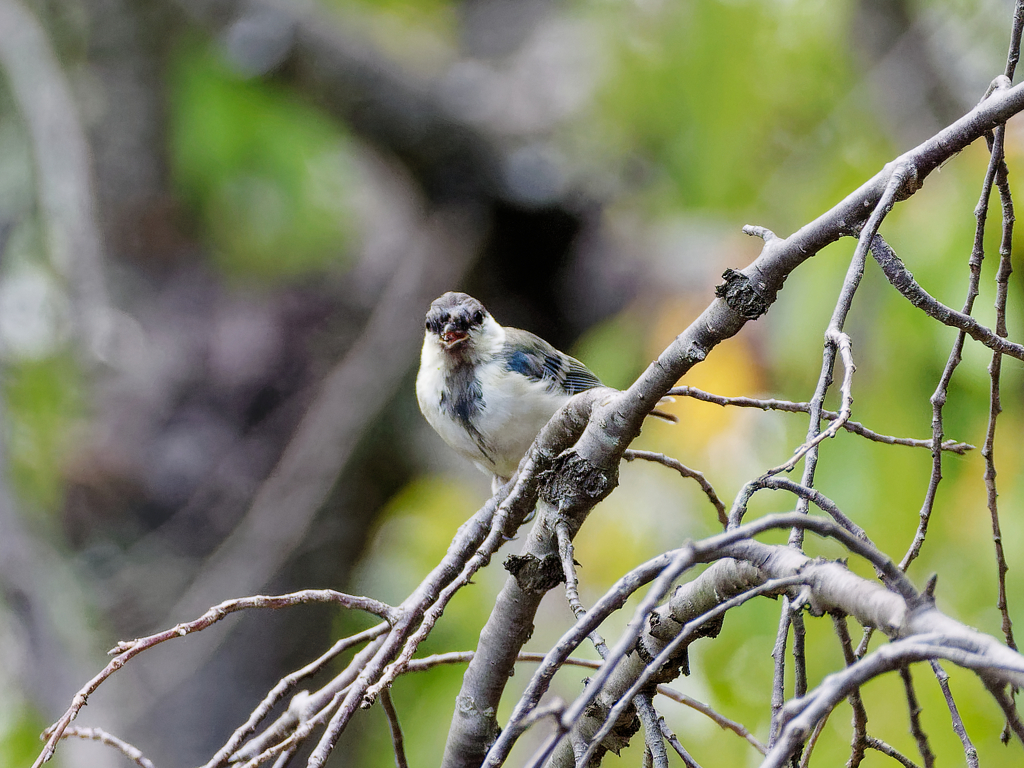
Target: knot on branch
x: 574, y: 482
x: 908, y: 181
x: 678, y: 665
x: 533, y: 574
x: 625, y: 728
x: 742, y: 295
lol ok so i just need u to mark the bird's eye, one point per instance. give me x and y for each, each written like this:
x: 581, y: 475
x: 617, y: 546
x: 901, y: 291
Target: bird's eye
x: 427, y: 325
x: 478, y: 317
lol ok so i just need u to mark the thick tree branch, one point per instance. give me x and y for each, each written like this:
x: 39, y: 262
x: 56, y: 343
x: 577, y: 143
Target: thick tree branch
x: 833, y: 588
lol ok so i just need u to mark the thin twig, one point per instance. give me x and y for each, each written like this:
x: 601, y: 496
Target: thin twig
x: 778, y: 698
x: 572, y: 582
x: 880, y: 746
x: 685, y: 471
x: 674, y: 742
x: 1013, y: 55
x: 799, y: 653
x: 723, y: 722
x: 287, y: 746
x: 805, y: 758
x: 126, y: 650
x: 995, y: 370
x: 896, y: 181
x: 283, y: 686
x: 285, y: 757
x: 788, y: 406
x: 667, y: 654
x: 840, y: 342
x: 801, y: 714
x: 98, y: 734
x: 1002, y: 280
x: 554, y: 709
x: 903, y: 281
x: 397, y: 740
x: 291, y: 727
x: 940, y: 395
x: 915, y: 719
x: 572, y: 593
x: 970, y: 753
x: 819, y: 499
x: 858, y: 740
x: 1009, y: 707
x: 719, y: 719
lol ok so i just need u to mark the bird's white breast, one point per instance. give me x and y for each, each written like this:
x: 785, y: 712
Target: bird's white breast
x: 512, y: 411
x: 515, y: 410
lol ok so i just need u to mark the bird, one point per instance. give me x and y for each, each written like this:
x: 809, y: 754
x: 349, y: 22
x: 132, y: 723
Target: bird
x: 488, y: 390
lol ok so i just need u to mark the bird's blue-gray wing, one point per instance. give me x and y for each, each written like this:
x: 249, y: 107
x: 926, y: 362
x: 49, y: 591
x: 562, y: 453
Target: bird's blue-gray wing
x: 534, y: 358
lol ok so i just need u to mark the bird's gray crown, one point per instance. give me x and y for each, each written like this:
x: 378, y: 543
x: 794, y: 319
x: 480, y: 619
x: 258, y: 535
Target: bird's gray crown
x: 457, y: 311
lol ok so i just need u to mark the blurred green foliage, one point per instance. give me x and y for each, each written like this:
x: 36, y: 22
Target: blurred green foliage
x: 44, y: 398
x: 19, y: 737
x: 268, y: 175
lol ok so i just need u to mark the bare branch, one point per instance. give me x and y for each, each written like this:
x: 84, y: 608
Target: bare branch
x: 819, y: 499
x: 686, y: 757
x: 98, y: 734
x: 799, y: 651
x: 805, y: 758
x: 572, y: 594
x: 800, y: 715
x: 880, y: 746
x: 748, y: 293
x: 285, y: 685
x: 835, y: 341
x: 858, y: 741
x: 126, y: 650
x: 1009, y: 707
x: 771, y: 404
x: 834, y: 336
x: 915, y: 719
x: 903, y: 281
x: 397, y: 741
x: 685, y: 471
x: 995, y: 370
x: 778, y: 698
x: 305, y: 712
x: 870, y: 604
x: 663, y: 660
x: 723, y: 722
x: 958, y: 724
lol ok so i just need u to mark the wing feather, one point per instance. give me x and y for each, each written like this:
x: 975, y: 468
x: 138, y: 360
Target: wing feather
x: 534, y: 358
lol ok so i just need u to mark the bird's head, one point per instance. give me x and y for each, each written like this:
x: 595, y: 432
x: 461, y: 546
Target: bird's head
x: 458, y: 322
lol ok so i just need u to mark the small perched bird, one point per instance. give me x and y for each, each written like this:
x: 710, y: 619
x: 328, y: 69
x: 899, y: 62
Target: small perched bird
x: 488, y: 390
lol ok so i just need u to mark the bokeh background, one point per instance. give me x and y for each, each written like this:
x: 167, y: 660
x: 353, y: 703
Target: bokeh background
x: 221, y: 223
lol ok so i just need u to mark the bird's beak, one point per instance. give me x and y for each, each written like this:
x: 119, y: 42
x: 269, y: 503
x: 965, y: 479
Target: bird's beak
x: 452, y: 336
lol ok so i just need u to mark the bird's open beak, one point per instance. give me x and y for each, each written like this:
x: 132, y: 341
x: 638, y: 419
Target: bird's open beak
x: 451, y: 337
